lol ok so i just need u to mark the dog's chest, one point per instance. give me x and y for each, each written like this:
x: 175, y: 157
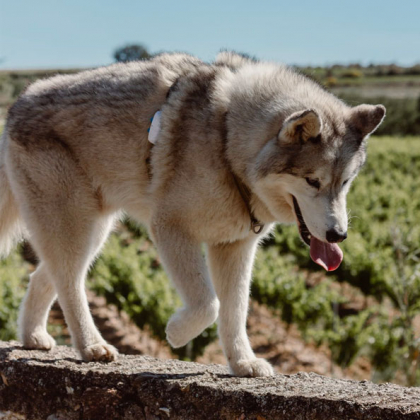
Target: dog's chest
x: 215, y: 211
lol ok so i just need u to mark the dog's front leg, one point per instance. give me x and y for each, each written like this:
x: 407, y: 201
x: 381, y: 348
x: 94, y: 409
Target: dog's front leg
x: 182, y: 258
x: 231, y: 267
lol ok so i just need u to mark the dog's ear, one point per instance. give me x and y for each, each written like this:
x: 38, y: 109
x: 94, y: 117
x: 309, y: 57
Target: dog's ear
x: 301, y: 126
x: 367, y: 118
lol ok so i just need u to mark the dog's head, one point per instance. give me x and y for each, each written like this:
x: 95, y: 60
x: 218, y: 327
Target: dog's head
x: 303, y: 175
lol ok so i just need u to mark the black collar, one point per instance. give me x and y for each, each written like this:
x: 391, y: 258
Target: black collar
x: 256, y: 226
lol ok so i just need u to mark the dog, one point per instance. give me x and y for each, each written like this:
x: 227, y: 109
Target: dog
x: 242, y: 145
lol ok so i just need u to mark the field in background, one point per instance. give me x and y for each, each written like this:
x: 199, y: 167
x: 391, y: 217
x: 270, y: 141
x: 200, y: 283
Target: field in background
x: 369, y: 307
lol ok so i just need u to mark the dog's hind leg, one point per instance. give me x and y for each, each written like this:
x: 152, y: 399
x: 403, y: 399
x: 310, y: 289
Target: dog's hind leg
x: 230, y: 267
x: 185, y: 265
x: 70, y: 275
x: 67, y: 266
x: 34, y: 311
x: 33, y: 315
x: 67, y: 222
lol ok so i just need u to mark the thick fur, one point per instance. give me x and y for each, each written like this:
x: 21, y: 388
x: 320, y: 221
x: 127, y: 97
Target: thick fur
x: 74, y: 156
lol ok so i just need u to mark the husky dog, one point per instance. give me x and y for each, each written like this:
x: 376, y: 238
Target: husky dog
x: 242, y: 145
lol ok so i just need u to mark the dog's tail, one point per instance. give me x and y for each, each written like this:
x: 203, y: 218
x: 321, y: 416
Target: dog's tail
x: 12, y: 229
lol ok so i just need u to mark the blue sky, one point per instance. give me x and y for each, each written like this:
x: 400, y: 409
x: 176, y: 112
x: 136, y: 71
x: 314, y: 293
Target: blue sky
x: 84, y: 33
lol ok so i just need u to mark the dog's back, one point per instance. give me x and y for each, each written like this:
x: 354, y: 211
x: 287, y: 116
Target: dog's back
x: 90, y: 102
x: 104, y: 112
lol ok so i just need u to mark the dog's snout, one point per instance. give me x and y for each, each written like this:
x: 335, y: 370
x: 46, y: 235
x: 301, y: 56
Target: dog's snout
x: 334, y: 236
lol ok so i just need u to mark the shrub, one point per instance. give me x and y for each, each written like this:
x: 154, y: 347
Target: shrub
x: 352, y: 74
x: 13, y: 279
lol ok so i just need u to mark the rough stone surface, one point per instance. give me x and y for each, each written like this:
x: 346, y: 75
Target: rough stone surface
x: 56, y: 386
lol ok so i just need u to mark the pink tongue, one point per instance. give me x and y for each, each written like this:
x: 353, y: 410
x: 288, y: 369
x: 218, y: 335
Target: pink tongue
x: 328, y: 256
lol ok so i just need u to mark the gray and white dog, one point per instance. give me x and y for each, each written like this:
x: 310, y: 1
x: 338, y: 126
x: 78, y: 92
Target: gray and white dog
x: 242, y: 145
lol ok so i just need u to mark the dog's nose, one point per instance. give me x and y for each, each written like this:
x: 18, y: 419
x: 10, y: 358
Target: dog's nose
x: 334, y: 236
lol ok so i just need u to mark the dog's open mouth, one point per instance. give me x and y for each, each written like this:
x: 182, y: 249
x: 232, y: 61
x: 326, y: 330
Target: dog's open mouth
x: 327, y: 255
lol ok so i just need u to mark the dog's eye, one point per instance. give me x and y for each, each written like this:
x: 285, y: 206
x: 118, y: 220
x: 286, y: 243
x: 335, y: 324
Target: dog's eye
x: 345, y: 182
x: 313, y: 183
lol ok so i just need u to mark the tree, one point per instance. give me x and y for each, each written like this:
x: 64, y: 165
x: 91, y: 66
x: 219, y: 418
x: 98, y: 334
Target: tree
x: 131, y: 53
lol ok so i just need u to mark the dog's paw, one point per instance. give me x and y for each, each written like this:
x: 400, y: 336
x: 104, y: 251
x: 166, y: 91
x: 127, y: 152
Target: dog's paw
x: 178, y: 332
x: 99, y: 352
x: 39, y: 340
x: 186, y: 325
x: 176, y: 338
x: 252, y: 367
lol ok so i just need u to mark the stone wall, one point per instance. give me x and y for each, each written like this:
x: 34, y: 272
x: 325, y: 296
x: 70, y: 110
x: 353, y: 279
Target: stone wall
x: 56, y: 385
